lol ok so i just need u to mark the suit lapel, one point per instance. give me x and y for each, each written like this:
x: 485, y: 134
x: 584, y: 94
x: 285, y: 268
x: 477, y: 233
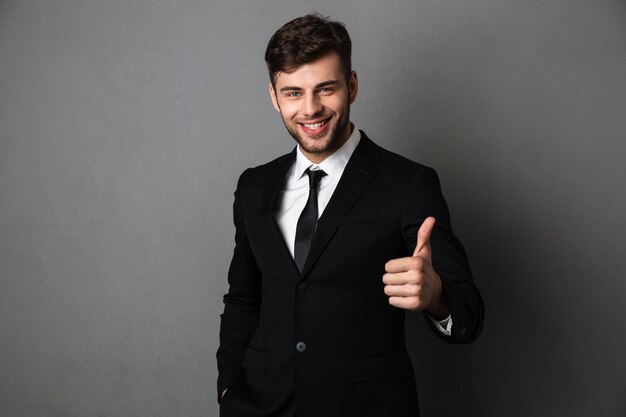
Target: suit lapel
x: 271, y: 187
x: 275, y: 179
x: 358, y: 174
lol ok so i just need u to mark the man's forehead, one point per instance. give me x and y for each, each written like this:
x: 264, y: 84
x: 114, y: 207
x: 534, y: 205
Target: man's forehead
x: 324, y: 69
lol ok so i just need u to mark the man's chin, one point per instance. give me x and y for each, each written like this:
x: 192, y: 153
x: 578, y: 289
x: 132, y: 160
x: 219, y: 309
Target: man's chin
x: 312, y: 144
x: 316, y: 147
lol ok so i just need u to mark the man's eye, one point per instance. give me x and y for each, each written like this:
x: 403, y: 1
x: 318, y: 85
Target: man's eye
x: 325, y: 90
x: 293, y: 94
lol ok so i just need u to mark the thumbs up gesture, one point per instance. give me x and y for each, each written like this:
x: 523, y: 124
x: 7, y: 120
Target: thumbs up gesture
x: 412, y: 283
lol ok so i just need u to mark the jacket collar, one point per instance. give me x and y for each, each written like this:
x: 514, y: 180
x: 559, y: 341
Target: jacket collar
x: 359, y: 172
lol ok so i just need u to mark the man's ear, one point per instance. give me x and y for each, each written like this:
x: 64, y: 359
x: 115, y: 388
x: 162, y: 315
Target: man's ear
x: 353, y: 87
x: 274, y: 98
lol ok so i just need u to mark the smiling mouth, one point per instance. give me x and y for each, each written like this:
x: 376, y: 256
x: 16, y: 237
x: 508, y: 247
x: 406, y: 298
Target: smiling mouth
x: 315, y: 128
x: 314, y: 125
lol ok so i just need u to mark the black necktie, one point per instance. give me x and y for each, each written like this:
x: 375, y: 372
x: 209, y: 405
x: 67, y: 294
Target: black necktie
x: 307, y: 220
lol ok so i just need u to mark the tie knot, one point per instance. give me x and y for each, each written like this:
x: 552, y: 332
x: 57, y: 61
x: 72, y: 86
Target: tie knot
x: 314, y: 177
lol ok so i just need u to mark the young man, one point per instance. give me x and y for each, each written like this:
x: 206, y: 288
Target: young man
x: 334, y: 242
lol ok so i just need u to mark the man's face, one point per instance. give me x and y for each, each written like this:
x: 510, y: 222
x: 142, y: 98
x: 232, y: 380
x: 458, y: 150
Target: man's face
x: 314, y: 102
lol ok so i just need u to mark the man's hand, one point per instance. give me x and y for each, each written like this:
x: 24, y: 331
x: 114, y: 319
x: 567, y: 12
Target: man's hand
x: 412, y: 283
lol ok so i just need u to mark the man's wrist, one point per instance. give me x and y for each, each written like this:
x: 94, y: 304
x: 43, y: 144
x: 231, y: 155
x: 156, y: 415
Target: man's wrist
x: 439, y: 312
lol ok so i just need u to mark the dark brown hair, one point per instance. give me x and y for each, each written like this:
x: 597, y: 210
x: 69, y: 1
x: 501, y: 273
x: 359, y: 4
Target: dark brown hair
x: 306, y: 39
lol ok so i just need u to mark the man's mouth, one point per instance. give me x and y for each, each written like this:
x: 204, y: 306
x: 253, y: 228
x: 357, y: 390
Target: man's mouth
x: 314, y: 125
x: 315, y: 128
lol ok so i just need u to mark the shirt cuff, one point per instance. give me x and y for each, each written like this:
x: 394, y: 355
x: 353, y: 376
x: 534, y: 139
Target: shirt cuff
x: 444, y: 326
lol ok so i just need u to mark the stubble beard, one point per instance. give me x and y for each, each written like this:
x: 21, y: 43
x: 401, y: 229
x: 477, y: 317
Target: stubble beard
x: 335, y: 136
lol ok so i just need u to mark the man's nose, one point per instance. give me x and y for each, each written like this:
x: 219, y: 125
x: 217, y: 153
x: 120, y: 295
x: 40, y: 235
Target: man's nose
x: 312, y: 105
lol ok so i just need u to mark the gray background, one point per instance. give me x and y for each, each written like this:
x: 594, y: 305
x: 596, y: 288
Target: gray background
x: 125, y: 124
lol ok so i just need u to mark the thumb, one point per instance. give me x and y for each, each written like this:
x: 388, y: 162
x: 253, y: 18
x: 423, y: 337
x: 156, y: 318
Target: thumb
x: 423, y: 237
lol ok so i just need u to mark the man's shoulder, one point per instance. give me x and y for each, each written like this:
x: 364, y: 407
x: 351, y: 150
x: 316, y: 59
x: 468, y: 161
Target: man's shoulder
x: 276, y: 162
x: 253, y: 176
x: 396, y: 164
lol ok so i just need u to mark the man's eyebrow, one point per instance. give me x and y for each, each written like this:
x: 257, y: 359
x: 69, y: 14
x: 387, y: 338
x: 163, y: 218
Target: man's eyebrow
x: 290, y: 88
x: 327, y: 84
x: 320, y: 85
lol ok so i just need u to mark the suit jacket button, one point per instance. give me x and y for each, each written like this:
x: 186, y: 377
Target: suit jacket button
x: 300, y: 346
x: 302, y: 286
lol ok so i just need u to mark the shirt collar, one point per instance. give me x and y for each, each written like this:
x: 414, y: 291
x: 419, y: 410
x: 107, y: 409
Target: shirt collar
x: 333, y: 165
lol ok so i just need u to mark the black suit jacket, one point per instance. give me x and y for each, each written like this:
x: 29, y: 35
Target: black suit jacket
x: 326, y: 342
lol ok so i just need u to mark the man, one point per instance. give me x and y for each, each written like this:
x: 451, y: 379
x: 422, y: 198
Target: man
x: 334, y: 242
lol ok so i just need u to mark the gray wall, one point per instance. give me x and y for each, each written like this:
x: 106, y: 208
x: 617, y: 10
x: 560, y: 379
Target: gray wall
x: 125, y: 124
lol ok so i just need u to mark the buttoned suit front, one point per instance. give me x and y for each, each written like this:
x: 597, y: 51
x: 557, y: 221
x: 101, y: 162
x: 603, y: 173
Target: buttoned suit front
x: 326, y: 341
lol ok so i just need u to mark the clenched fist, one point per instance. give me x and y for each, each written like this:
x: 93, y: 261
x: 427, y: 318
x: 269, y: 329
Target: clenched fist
x: 412, y: 283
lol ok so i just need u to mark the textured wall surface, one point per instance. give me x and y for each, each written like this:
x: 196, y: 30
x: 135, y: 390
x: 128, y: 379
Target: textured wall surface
x: 125, y: 124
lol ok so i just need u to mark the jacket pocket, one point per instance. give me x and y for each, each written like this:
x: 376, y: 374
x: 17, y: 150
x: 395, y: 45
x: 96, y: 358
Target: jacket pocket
x: 380, y: 369
x: 255, y: 360
x: 363, y: 227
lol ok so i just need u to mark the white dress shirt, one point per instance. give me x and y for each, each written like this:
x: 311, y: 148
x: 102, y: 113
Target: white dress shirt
x: 295, y: 193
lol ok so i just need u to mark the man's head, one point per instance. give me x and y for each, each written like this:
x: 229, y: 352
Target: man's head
x: 306, y: 39
x: 312, y: 84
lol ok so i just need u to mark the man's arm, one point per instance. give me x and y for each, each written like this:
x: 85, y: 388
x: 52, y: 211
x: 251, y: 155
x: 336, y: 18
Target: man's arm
x: 446, y: 285
x: 241, y: 304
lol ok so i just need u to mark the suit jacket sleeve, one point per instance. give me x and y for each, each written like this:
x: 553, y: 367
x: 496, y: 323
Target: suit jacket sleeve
x: 242, y: 302
x: 449, y: 259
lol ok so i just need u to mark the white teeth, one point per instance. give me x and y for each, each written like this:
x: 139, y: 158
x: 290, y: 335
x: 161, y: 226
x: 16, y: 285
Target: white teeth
x: 314, y: 126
